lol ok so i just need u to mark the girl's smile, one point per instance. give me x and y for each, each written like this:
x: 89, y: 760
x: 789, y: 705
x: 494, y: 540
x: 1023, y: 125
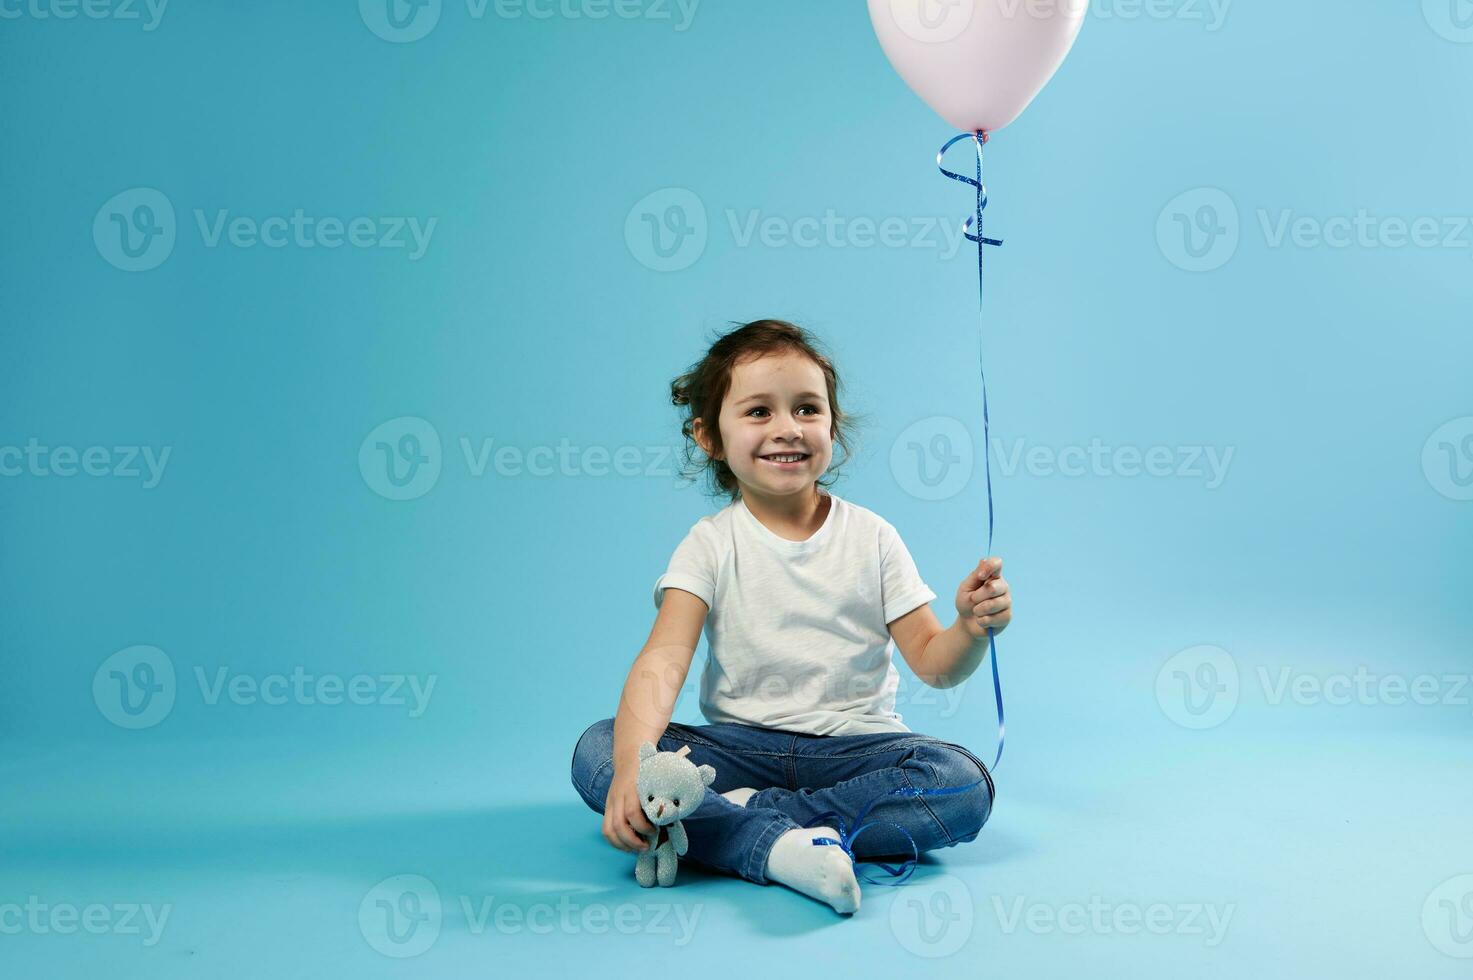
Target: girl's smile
x: 786, y: 461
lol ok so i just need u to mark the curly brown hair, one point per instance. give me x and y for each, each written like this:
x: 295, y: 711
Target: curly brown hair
x: 701, y: 389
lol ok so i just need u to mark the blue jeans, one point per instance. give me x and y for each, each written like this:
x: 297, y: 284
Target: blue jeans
x: 801, y: 776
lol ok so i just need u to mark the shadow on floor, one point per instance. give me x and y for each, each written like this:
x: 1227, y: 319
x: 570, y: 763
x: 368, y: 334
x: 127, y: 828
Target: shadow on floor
x: 540, y: 853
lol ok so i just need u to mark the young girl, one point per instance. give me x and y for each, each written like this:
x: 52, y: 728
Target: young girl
x: 799, y: 592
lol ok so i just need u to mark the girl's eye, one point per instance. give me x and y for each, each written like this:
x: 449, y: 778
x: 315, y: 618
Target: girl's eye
x: 760, y: 409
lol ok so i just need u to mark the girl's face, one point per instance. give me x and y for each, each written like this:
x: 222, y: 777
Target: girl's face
x: 776, y: 406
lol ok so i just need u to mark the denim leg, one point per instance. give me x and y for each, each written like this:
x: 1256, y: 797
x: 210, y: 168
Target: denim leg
x: 723, y: 836
x: 845, y: 773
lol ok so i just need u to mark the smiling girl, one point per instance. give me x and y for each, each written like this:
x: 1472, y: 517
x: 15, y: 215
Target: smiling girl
x: 800, y: 594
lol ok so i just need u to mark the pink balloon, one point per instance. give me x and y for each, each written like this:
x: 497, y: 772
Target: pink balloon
x: 978, y: 63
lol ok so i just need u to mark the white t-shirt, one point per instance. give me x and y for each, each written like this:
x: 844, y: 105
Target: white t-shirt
x: 797, y: 631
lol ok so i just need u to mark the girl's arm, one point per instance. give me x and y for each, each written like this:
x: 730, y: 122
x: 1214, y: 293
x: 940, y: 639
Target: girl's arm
x: 944, y: 658
x: 645, y: 708
x: 657, y: 675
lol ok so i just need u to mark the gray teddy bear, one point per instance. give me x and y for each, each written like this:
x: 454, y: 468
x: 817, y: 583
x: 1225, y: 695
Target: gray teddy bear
x: 670, y: 787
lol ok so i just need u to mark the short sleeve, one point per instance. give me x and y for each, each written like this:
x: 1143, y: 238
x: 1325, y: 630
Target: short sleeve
x: 692, y: 567
x: 900, y: 582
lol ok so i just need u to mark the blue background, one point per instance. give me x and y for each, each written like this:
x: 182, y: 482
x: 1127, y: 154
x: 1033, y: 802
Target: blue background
x: 535, y: 319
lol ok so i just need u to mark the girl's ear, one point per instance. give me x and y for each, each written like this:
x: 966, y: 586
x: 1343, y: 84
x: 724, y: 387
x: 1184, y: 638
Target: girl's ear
x: 702, y: 437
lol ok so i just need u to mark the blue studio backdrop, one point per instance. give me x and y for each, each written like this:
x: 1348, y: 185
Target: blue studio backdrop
x: 337, y: 462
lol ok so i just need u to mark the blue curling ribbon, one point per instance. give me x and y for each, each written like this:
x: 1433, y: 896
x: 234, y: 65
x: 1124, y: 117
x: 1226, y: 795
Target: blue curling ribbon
x: 980, y: 137
x: 900, y: 873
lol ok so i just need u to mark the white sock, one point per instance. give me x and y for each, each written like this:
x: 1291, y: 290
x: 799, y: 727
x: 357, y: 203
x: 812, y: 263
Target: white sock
x: 821, y: 871
x: 741, y: 795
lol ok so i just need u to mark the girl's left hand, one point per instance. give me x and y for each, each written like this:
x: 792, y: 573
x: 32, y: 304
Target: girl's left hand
x: 983, y: 599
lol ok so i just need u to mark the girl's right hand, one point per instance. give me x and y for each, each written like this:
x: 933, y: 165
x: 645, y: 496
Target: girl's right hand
x: 624, y: 818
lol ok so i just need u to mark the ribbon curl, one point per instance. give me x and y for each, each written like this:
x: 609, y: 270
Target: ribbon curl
x: 900, y: 873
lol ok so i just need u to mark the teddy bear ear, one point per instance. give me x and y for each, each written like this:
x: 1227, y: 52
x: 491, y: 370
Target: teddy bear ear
x: 708, y: 775
x: 646, y: 749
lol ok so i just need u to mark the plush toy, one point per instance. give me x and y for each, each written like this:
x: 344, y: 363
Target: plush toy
x: 670, y: 787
